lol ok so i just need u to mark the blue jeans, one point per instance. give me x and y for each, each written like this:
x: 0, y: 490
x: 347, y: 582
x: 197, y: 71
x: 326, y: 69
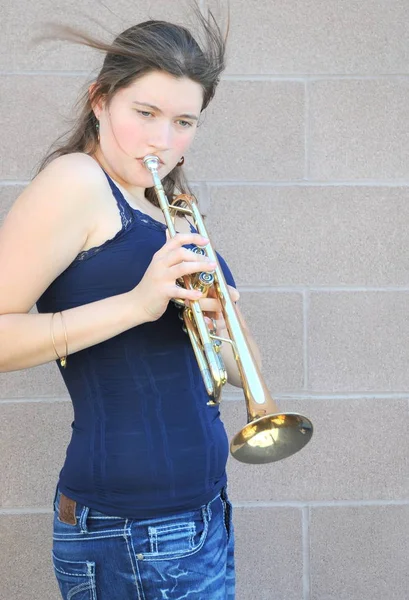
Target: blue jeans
x: 188, y: 555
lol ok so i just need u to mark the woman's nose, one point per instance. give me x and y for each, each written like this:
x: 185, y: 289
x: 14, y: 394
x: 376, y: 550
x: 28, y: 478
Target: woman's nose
x: 161, y: 136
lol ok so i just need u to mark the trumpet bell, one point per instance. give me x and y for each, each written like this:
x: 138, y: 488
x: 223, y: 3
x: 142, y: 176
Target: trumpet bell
x: 271, y: 438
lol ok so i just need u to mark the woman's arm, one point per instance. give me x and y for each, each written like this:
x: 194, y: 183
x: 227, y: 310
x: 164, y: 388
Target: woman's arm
x: 42, y: 234
x: 46, y: 228
x: 25, y: 339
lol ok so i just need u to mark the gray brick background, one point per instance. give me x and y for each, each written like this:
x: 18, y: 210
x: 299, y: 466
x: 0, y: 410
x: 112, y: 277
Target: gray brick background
x: 302, y: 165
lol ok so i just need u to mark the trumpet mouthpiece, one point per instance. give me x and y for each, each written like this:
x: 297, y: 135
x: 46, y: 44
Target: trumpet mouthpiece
x: 151, y: 161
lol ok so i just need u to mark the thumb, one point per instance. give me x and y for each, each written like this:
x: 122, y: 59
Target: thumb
x: 234, y: 294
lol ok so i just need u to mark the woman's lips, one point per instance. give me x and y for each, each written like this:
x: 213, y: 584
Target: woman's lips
x: 161, y: 163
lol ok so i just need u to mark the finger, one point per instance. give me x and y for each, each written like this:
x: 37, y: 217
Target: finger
x: 210, y: 305
x: 210, y: 315
x: 181, y: 239
x: 179, y: 255
x: 211, y: 323
x: 186, y: 294
x: 211, y: 292
x: 234, y: 294
x: 188, y: 268
x: 214, y: 324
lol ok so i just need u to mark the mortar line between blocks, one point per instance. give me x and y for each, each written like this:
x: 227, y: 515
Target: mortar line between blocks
x: 45, y: 400
x: 307, y: 132
x: 306, y: 568
x: 238, y: 397
x: 366, y: 182
x: 300, y: 395
x: 391, y: 183
x: 306, y: 313
x: 26, y: 511
x: 296, y: 77
x: 302, y: 77
x: 248, y: 504
x: 323, y: 289
x: 301, y: 504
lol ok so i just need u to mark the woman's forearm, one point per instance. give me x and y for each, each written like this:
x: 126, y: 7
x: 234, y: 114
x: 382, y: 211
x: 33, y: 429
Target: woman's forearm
x: 25, y: 338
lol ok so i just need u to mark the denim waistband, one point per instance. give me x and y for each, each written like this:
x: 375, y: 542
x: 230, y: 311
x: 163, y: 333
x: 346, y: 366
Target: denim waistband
x: 79, y: 509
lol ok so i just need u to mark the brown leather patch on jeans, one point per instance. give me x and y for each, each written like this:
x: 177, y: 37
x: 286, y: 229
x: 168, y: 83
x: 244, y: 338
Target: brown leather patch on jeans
x: 66, y: 512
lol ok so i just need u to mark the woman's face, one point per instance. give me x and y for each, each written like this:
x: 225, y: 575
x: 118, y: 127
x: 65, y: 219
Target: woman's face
x: 157, y: 114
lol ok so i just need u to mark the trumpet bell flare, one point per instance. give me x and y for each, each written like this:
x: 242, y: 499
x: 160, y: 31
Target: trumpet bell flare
x: 271, y: 438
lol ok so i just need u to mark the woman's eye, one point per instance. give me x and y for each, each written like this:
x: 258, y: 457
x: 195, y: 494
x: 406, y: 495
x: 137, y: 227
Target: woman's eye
x: 185, y: 124
x: 145, y: 113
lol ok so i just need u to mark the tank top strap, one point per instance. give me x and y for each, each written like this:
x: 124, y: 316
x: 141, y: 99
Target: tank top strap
x: 128, y: 214
x: 123, y: 206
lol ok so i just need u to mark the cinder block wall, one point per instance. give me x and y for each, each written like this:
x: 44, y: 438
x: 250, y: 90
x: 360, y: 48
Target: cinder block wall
x: 302, y: 167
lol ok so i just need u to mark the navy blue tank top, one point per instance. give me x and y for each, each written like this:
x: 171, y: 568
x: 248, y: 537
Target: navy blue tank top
x: 144, y: 442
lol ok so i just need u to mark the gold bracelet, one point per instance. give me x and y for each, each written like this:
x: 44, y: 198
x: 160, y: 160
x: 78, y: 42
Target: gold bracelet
x: 62, y: 359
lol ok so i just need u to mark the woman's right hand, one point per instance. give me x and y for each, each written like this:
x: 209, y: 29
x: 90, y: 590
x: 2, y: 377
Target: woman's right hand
x: 158, y: 285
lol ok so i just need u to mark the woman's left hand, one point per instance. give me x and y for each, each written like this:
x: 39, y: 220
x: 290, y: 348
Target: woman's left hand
x: 212, y: 308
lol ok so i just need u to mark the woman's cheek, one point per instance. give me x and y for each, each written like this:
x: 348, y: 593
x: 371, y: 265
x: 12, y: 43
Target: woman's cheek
x: 183, y: 143
x: 129, y: 137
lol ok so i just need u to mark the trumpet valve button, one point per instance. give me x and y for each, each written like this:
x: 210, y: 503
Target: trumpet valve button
x: 198, y: 250
x: 206, y: 279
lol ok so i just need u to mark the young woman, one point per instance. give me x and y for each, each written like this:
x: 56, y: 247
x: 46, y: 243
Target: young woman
x: 141, y: 508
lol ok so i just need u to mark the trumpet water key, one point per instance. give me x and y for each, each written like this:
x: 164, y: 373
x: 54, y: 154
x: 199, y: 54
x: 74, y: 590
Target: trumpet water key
x: 269, y: 435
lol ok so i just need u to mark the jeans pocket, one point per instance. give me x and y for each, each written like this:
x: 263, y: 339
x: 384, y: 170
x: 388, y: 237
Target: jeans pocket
x: 75, y: 578
x: 177, y: 537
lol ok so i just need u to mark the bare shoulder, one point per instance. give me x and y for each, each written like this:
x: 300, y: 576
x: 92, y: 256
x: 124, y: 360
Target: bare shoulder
x: 76, y: 172
x: 80, y: 169
x: 45, y: 229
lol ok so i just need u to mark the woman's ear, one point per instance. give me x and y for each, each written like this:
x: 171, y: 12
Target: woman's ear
x: 97, y: 106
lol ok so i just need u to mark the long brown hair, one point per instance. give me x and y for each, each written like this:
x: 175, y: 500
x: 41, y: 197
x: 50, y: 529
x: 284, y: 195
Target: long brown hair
x: 150, y: 46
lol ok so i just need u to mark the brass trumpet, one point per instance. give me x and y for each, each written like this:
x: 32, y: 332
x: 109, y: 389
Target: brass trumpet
x: 269, y: 435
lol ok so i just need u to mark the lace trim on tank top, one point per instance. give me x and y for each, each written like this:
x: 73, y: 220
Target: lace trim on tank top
x: 129, y: 215
x: 126, y: 220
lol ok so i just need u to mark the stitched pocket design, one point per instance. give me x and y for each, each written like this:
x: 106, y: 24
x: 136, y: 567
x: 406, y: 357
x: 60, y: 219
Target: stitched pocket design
x: 176, y: 537
x: 76, y: 579
x: 179, y: 537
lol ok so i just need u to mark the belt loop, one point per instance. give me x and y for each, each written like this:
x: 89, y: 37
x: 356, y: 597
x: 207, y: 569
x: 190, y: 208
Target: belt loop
x: 55, y: 498
x: 83, y: 519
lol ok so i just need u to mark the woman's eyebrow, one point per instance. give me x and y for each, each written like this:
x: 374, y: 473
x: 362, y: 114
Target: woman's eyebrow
x: 185, y: 115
